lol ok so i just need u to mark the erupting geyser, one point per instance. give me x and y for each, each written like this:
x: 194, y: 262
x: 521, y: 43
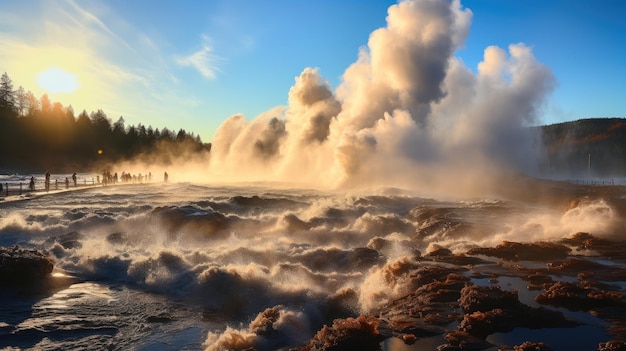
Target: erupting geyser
x: 328, y: 247
x: 408, y: 113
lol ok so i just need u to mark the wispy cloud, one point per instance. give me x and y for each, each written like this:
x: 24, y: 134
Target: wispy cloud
x: 203, y: 60
x: 89, y: 18
x: 122, y: 67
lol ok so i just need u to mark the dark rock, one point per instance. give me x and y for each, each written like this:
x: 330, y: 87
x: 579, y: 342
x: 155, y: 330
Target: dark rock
x: 489, y: 310
x: 18, y: 266
x: 431, y: 306
x: 513, y: 251
x: 445, y: 255
x: 575, y: 265
x: 460, y: 340
x: 481, y: 324
x: 613, y: 345
x: 585, y: 241
x: 348, y: 334
x: 538, y: 281
x: 485, y: 298
x: 591, y: 269
x: 578, y: 298
x: 608, y: 248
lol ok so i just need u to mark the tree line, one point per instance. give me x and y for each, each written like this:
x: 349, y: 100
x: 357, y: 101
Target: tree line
x: 38, y: 134
x: 593, y: 147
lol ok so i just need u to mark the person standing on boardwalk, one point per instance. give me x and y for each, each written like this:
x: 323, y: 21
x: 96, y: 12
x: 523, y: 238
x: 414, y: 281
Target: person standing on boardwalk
x: 47, y: 181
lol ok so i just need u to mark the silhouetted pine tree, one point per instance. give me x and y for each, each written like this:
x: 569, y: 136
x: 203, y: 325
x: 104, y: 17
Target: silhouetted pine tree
x: 38, y: 134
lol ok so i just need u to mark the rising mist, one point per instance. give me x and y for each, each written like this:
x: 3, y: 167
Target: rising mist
x: 407, y: 113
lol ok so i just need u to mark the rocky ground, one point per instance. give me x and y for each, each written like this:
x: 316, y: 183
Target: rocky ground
x: 445, y: 301
x: 581, y: 273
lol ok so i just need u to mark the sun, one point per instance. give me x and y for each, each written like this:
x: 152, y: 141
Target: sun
x: 56, y: 80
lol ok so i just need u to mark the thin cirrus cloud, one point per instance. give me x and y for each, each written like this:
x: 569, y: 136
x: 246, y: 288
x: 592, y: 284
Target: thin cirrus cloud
x: 117, y: 66
x: 203, y: 60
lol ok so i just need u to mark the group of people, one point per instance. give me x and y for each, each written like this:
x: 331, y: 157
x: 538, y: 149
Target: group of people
x: 108, y: 178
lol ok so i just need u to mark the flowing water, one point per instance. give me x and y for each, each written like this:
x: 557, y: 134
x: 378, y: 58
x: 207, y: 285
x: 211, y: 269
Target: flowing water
x: 169, y: 266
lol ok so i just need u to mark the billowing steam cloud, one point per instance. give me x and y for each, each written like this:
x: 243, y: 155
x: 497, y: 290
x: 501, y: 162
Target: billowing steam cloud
x: 407, y: 113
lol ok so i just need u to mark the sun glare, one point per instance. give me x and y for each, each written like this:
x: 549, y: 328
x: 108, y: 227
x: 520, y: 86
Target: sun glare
x: 56, y: 80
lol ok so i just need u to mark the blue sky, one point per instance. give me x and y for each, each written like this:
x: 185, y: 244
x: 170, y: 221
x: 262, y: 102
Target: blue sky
x: 192, y: 64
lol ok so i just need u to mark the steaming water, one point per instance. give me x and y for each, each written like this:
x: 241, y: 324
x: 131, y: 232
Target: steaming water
x: 186, y: 266
x: 168, y: 266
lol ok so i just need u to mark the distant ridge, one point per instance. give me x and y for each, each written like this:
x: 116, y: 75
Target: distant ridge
x: 591, y: 147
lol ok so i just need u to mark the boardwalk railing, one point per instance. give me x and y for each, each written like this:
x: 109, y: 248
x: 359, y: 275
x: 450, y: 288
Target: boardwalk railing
x: 11, y: 188
x: 24, y: 186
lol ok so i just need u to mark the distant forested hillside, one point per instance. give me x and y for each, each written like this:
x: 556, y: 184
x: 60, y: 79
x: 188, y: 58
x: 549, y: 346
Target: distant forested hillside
x: 37, y: 134
x: 596, y: 146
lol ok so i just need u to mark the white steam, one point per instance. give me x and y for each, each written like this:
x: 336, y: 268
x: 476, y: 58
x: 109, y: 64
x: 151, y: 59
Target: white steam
x: 407, y: 113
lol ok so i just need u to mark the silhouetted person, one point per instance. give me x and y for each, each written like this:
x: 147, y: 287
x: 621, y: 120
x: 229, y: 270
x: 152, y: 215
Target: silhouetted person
x: 47, y: 181
x: 74, y: 178
x: 31, y: 185
x: 67, y: 183
x: 165, y: 176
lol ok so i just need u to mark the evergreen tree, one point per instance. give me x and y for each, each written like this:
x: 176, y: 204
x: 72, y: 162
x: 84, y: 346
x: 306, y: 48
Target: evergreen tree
x: 32, y: 104
x: 119, y: 126
x: 46, y: 104
x: 38, y: 133
x: 181, y: 136
x: 21, y: 101
x: 7, y: 95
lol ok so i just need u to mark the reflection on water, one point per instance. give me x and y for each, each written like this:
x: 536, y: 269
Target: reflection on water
x: 94, y: 316
x: 397, y: 344
x: 527, y: 296
x: 559, y: 339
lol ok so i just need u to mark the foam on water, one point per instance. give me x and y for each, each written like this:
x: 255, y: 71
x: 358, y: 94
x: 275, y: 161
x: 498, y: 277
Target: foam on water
x: 222, y: 255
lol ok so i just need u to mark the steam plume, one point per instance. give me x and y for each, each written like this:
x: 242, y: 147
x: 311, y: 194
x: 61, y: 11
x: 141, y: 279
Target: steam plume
x: 407, y: 113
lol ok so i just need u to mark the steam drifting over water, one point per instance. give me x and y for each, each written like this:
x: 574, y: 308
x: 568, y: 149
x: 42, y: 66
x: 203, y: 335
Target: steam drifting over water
x: 217, y: 257
x: 268, y: 262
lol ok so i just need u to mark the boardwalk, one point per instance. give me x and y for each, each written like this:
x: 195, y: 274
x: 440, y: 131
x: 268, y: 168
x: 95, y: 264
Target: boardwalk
x: 27, y: 186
